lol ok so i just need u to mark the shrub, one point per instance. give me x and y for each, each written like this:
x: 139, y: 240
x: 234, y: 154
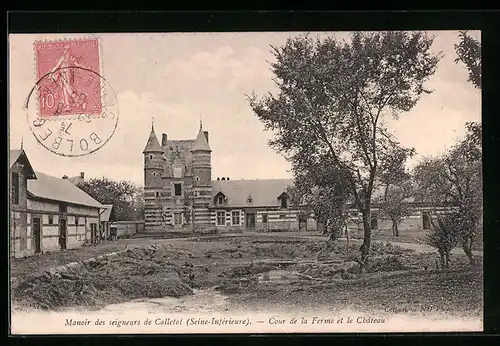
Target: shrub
x: 444, y: 235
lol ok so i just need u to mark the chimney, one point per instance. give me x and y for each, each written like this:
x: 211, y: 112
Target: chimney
x: 82, y: 175
x: 65, y: 177
x: 206, y: 135
x: 164, y: 140
x: 223, y: 178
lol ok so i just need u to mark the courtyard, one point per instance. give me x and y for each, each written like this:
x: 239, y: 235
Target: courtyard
x: 249, y: 272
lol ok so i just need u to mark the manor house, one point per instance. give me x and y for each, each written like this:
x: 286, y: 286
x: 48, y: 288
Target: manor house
x: 179, y: 192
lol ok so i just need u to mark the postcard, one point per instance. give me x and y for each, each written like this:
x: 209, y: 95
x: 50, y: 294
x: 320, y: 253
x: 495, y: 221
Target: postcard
x: 245, y: 182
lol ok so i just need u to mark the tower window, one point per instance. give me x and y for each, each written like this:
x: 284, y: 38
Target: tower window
x: 150, y: 157
x: 178, y: 189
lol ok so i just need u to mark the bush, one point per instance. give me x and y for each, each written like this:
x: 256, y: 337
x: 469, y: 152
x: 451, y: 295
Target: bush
x: 444, y: 235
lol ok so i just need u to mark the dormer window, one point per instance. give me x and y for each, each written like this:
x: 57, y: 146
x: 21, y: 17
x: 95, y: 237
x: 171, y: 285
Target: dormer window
x: 283, y: 200
x: 220, y: 199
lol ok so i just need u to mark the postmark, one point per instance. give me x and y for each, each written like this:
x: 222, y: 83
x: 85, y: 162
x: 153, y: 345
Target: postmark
x: 72, y: 110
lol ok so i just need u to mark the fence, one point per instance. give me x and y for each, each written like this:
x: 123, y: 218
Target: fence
x: 124, y: 228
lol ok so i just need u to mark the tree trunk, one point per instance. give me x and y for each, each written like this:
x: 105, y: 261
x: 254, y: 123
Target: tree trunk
x: 365, y: 248
x: 395, y: 229
x: 466, y: 245
x: 441, y: 258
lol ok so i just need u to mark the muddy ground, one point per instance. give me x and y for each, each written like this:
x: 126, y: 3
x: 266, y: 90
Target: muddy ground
x: 259, y: 272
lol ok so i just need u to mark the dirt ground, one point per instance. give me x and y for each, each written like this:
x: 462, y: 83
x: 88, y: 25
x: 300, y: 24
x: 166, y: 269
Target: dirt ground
x: 253, y: 271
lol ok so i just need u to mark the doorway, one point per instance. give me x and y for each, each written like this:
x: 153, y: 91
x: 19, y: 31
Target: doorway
x: 302, y: 222
x: 37, y: 238
x: 250, y: 220
x: 62, y: 234
x: 178, y: 220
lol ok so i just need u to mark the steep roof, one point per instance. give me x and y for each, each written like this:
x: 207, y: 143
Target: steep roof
x: 57, y: 189
x: 14, y: 155
x: 201, y: 143
x: 152, y: 145
x: 17, y: 154
x: 106, y: 212
x: 263, y: 192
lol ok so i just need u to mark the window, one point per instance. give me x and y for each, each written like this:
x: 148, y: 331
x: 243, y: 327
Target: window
x: 76, y: 220
x: 221, y: 218
x: 157, y: 194
x: 150, y: 157
x: 197, y: 178
x: 426, y: 221
x: 235, y: 218
x: 51, y: 219
x: 250, y: 199
x: 282, y: 216
x: 15, y: 188
x: 178, y: 189
x: 374, y: 221
x: 220, y: 200
x: 283, y: 202
x: 264, y: 218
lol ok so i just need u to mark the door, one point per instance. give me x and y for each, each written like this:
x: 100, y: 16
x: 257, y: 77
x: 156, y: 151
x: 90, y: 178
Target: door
x: 37, y: 238
x: 94, y: 236
x: 178, y: 220
x: 302, y: 222
x: 62, y: 234
x: 250, y: 220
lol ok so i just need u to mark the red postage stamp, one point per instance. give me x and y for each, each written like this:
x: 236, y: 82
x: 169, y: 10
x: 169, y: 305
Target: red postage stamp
x: 65, y: 84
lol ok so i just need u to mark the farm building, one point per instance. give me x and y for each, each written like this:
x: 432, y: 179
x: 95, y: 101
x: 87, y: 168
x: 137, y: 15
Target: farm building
x: 47, y: 213
x: 107, y: 218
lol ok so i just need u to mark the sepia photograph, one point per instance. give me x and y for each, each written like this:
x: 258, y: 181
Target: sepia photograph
x: 245, y: 182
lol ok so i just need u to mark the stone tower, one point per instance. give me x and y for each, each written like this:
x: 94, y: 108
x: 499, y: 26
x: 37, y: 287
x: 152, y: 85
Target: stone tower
x: 153, y: 169
x: 202, y: 178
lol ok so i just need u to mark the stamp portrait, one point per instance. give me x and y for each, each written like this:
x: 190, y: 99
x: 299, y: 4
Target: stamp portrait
x: 72, y: 110
x: 69, y: 88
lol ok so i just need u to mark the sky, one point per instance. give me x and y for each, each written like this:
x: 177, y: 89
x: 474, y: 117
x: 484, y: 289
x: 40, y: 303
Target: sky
x: 178, y: 78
